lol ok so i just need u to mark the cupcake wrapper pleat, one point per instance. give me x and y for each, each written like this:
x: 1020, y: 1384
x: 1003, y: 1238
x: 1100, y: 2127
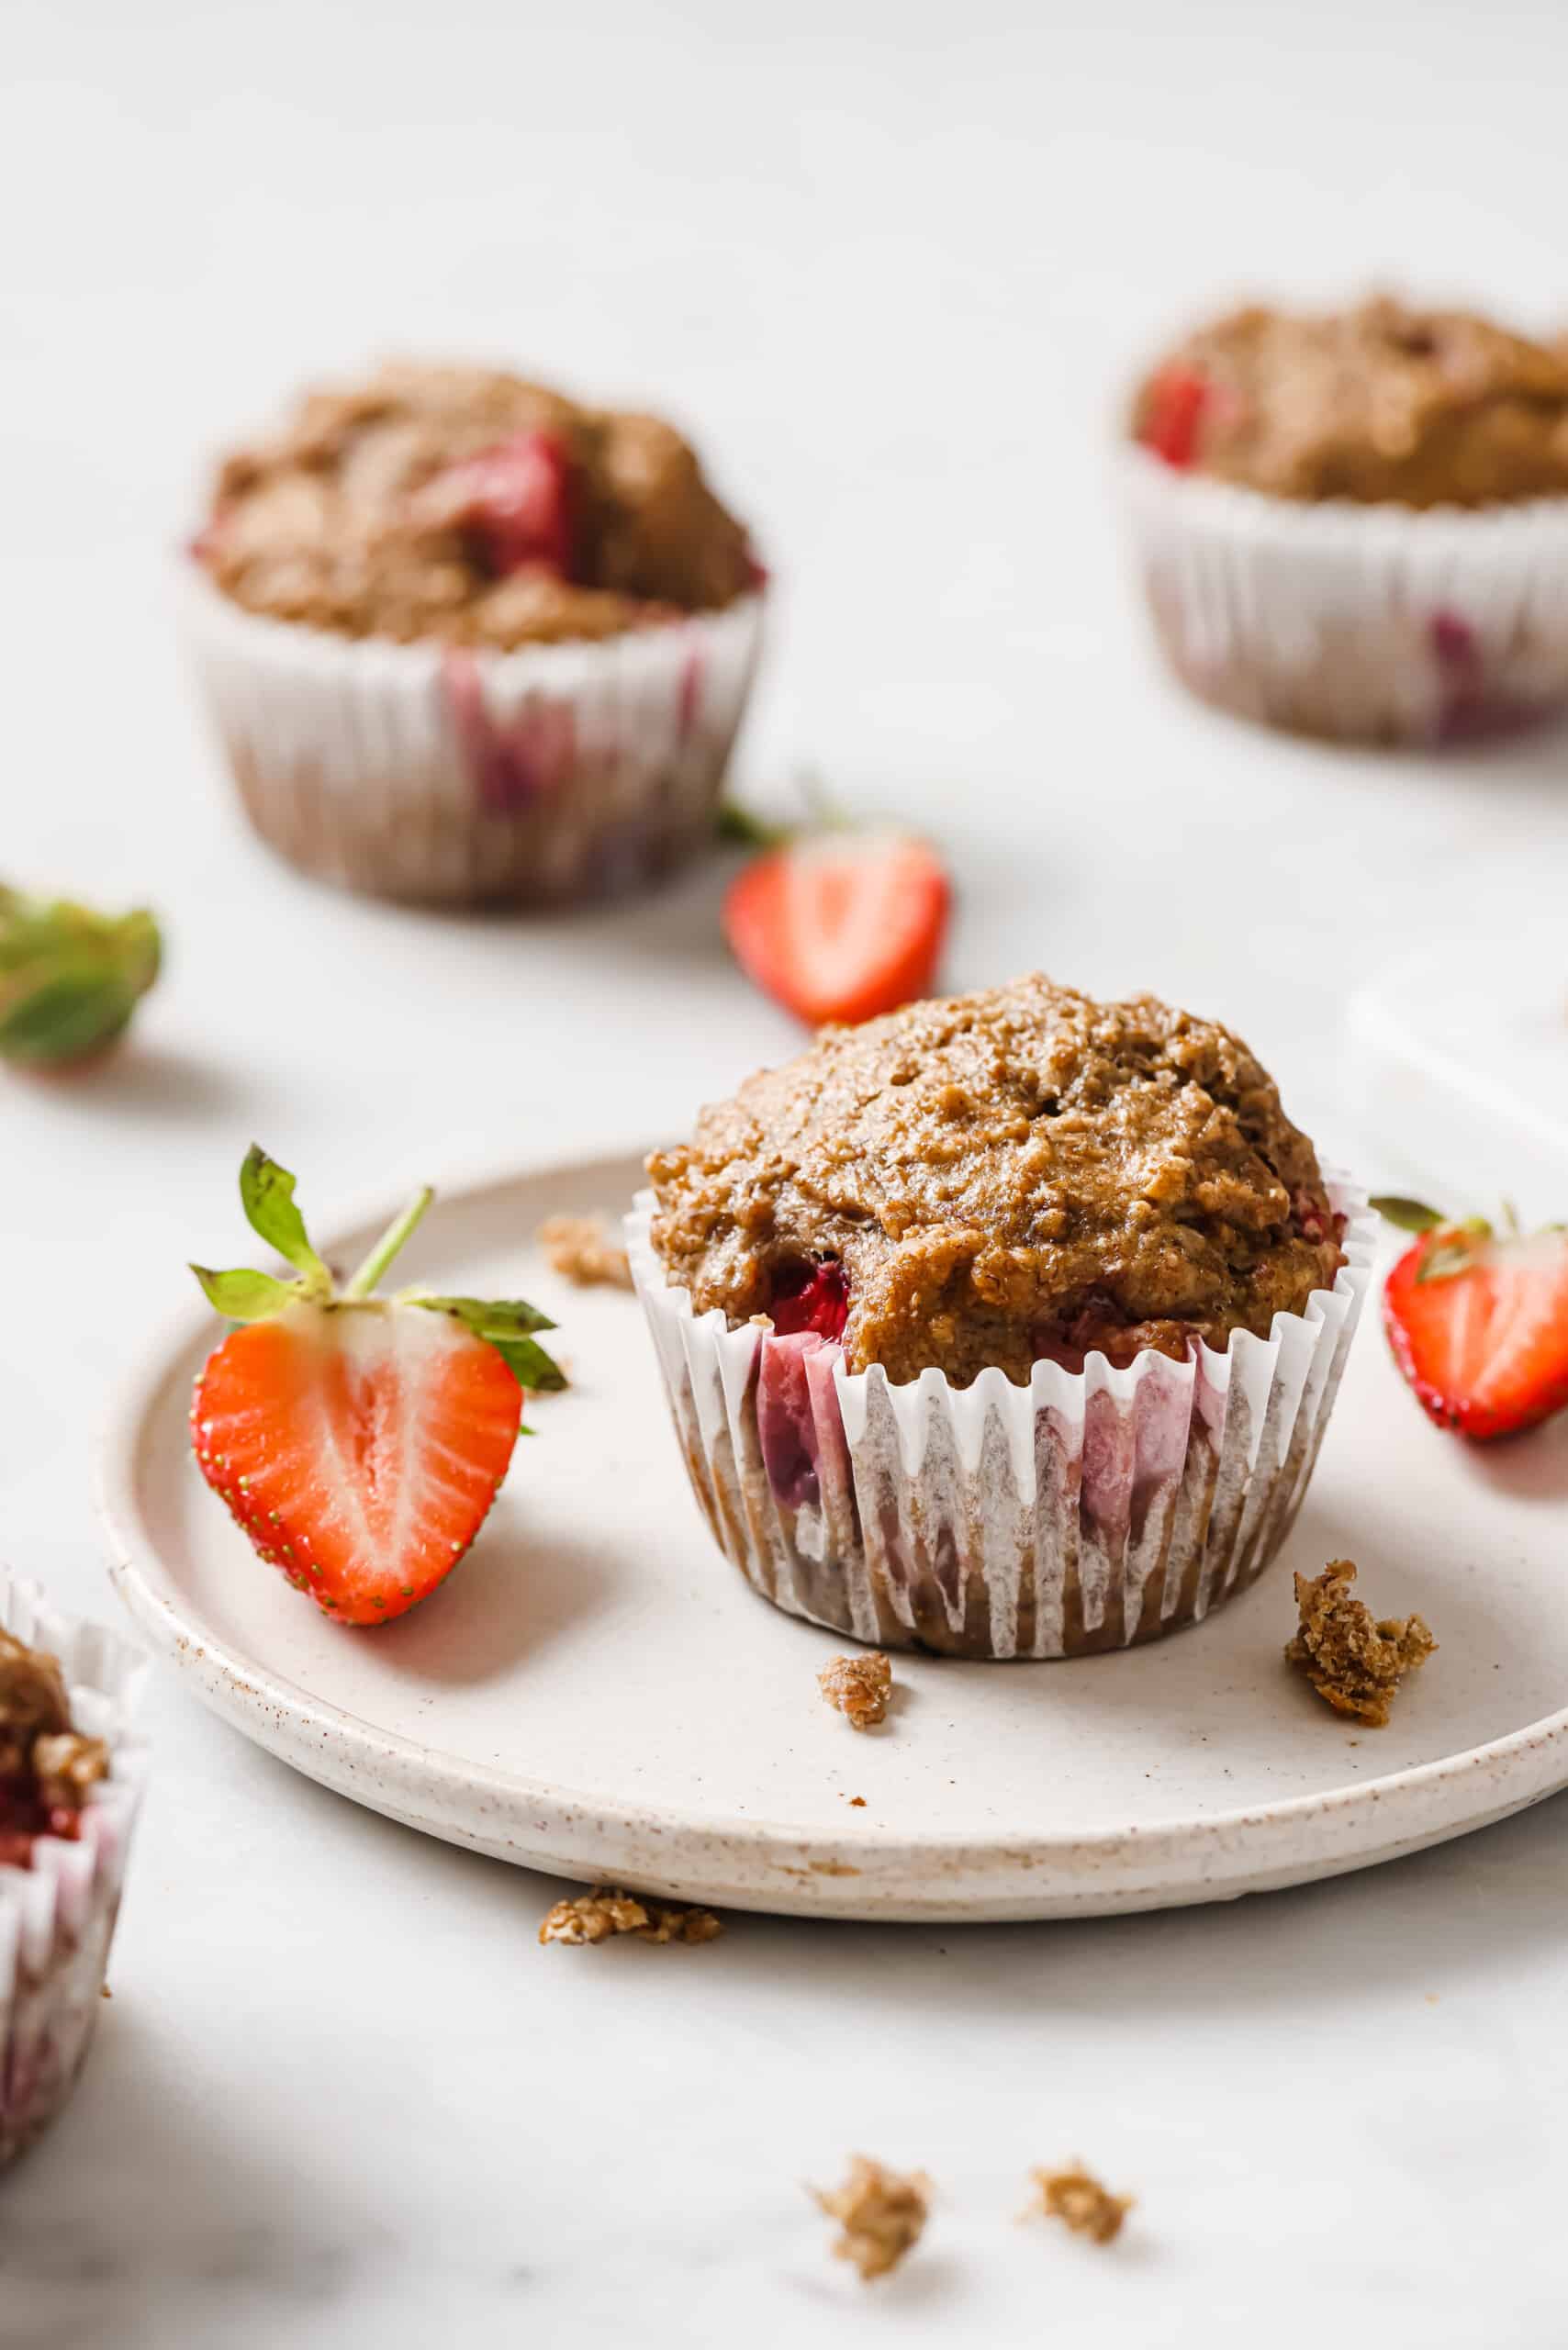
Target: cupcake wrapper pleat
x: 447, y: 775
x: 57, y: 1918
x: 1080, y: 1512
x: 1363, y: 622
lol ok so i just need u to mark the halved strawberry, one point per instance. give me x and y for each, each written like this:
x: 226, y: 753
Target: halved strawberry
x: 358, y: 1440
x: 1478, y: 1324
x: 840, y: 925
x: 513, y: 499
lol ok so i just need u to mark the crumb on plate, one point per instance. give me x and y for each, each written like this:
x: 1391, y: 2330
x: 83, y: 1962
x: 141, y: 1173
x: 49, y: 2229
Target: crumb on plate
x: 1076, y: 2197
x: 595, y: 1917
x: 882, y: 2212
x: 1354, y: 1662
x: 861, y: 1686
x: 577, y: 1247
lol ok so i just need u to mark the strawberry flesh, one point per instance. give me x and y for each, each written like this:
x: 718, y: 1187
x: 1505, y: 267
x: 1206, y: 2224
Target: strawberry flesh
x: 840, y: 927
x: 514, y: 503
x: 810, y: 1297
x: 1173, y: 410
x: 360, y: 1447
x: 1485, y: 1349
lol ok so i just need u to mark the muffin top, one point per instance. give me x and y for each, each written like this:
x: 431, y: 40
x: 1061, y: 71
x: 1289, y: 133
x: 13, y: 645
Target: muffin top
x: 466, y: 504
x: 1378, y: 404
x: 1002, y: 1177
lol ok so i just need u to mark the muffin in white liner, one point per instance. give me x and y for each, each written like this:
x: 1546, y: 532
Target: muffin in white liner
x: 1363, y: 622
x: 1081, y: 1513
x: 57, y: 1917
x: 447, y: 775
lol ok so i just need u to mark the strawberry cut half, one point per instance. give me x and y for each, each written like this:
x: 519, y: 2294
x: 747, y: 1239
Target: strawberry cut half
x: 1480, y: 1327
x: 840, y: 927
x: 359, y: 1441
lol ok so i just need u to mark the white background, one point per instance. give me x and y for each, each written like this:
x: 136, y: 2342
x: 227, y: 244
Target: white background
x: 892, y: 266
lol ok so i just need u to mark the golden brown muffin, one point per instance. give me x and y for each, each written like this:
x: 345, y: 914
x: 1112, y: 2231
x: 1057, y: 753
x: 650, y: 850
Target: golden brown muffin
x: 464, y: 504
x: 1001, y: 1177
x: 1383, y: 403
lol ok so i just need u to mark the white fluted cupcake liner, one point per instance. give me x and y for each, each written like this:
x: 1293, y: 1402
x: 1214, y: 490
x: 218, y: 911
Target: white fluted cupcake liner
x: 1077, y: 1514
x: 57, y: 1918
x: 448, y: 775
x: 1363, y: 622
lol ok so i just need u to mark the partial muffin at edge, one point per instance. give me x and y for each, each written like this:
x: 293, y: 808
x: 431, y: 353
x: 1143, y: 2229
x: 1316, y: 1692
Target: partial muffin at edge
x: 1380, y: 403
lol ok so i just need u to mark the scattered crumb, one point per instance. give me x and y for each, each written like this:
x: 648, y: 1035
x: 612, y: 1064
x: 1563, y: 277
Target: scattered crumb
x: 857, y: 1803
x: 1077, y: 2197
x: 861, y: 1686
x: 594, y: 1917
x: 1354, y: 1664
x: 881, y: 2212
x: 105, y: 1992
x: 577, y: 1248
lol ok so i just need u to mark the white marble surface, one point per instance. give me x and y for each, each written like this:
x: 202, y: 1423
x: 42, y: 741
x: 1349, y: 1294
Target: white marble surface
x: 894, y: 261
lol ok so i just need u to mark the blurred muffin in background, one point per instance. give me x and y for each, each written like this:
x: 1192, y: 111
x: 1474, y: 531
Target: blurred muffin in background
x: 466, y: 641
x: 1356, y: 524
x: 72, y: 1771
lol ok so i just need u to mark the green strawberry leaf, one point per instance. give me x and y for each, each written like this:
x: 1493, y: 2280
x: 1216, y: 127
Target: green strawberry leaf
x: 70, y: 978
x: 266, y: 1194
x: 244, y: 1295
x: 1448, y: 1258
x: 1410, y: 1216
x: 742, y: 829
x: 506, y: 1324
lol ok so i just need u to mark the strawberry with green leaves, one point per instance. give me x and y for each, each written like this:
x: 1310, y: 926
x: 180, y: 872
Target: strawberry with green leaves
x: 358, y: 1441
x: 1478, y: 1320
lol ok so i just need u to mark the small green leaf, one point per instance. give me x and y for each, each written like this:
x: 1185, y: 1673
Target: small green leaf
x: 243, y: 1295
x: 266, y: 1194
x: 1410, y: 1216
x: 742, y: 829
x: 506, y: 1324
x: 70, y: 978
x: 1448, y: 1259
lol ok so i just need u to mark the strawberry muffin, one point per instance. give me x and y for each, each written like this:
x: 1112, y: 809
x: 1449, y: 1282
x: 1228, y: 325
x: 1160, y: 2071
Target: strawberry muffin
x: 70, y: 1787
x: 466, y: 641
x: 1357, y: 524
x: 1007, y: 1325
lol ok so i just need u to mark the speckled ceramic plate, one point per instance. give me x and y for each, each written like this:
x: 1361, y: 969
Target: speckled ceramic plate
x: 597, y: 1694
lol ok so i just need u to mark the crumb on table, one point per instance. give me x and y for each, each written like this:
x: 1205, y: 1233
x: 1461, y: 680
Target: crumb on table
x: 861, y: 1686
x: 880, y: 2211
x: 595, y: 1917
x: 1076, y: 2196
x: 577, y: 1247
x: 1354, y: 1662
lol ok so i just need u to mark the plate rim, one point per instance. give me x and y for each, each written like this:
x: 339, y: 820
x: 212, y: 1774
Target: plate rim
x: 246, y: 1692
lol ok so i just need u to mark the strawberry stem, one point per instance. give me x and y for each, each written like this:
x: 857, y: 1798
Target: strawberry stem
x: 364, y: 1277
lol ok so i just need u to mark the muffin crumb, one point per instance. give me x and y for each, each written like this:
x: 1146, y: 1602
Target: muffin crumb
x: 1076, y: 2196
x: 595, y: 1917
x: 1354, y: 1662
x: 861, y: 1686
x: 577, y: 1248
x: 882, y: 2214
